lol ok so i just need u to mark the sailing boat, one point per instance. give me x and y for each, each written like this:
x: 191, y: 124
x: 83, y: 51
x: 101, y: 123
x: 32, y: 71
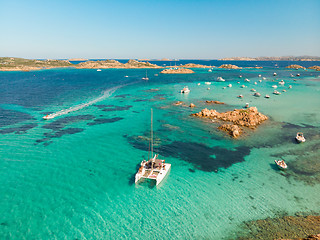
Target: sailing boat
x: 145, y: 78
x: 154, y: 169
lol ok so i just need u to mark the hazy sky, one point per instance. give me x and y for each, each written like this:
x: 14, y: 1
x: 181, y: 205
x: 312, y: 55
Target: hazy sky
x: 159, y: 28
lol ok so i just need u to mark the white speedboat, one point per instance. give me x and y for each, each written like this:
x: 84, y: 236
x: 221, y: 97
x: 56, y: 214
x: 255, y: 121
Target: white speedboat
x: 247, y: 105
x: 259, y: 75
x: 274, y: 86
x: 257, y: 94
x: 209, y: 70
x: 185, y: 90
x: 264, y: 78
x: 276, y: 92
x: 255, y: 83
x: 281, y: 82
x: 240, y: 96
x: 220, y: 79
x: 298, y: 74
x: 290, y: 86
x: 50, y: 116
x: 247, y: 80
x: 300, y: 138
x: 281, y: 164
x: 230, y: 85
x: 198, y: 84
x: 207, y: 83
x: 243, y: 86
x: 260, y: 80
x: 153, y: 169
x: 253, y: 90
x: 98, y: 70
x: 240, y: 76
x: 126, y: 76
x: 267, y: 96
x: 274, y: 74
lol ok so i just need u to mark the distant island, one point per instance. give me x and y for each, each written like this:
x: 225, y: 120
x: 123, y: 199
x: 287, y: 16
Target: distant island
x: 78, y: 59
x: 287, y: 58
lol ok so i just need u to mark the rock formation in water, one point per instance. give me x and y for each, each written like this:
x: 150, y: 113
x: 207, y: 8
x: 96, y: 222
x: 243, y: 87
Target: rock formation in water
x: 249, y: 118
x: 315, y: 68
x: 115, y: 64
x: 214, y: 102
x: 229, y: 66
x: 295, y: 66
x: 176, y: 71
x: 193, y: 65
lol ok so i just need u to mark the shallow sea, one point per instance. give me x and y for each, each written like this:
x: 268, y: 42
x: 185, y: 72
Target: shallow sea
x: 72, y: 177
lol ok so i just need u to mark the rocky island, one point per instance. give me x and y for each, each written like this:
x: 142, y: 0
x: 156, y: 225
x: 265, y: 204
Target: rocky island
x: 192, y: 65
x: 115, y: 64
x: 229, y: 66
x: 315, y: 68
x: 176, y: 71
x: 249, y: 118
x: 21, y: 64
x: 295, y: 66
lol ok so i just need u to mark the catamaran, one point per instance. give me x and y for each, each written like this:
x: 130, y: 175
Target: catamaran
x: 154, y: 169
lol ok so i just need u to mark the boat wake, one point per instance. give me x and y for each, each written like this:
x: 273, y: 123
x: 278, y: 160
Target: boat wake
x: 105, y: 94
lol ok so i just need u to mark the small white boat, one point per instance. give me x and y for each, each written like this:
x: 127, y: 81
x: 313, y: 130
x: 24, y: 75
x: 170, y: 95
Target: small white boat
x: 260, y: 80
x: 300, y: 138
x: 240, y: 96
x: 208, y: 88
x: 230, y: 85
x: 290, y: 86
x: 298, y: 74
x: 255, y: 83
x: 185, y: 90
x: 281, y: 82
x: 126, y: 76
x: 267, y: 96
x: 156, y: 74
x: 98, y: 70
x: 209, y: 70
x: 247, y: 80
x: 284, y: 90
x: 198, y: 84
x: 240, y: 76
x: 274, y: 74
x: 264, y: 78
x: 274, y: 86
x: 291, y: 75
x: 276, y: 92
x: 50, y: 116
x: 154, y: 169
x: 247, y: 105
x: 259, y: 75
x: 220, y: 79
x: 281, y: 164
x: 146, y: 77
x: 253, y: 90
x: 243, y: 86
x: 207, y: 83
x: 257, y: 94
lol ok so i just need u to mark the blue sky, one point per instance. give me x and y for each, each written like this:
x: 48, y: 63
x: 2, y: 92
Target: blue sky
x: 195, y: 29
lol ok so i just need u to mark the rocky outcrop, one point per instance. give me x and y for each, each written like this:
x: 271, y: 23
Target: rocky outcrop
x: 116, y: 64
x: 249, y: 118
x: 176, y: 71
x: 315, y: 68
x: 192, y: 65
x: 214, y: 102
x: 229, y: 66
x: 295, y: 66
x: 232, y: 129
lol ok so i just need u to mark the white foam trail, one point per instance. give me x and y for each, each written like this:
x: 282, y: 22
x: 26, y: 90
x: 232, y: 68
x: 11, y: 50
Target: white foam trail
x: 105, y: 94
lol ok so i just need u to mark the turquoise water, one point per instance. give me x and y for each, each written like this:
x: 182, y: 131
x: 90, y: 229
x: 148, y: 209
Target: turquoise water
x: 73, y: 176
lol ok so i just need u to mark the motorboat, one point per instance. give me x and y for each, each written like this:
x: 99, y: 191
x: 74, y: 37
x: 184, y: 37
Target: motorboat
x: 276, y: 92
x: 208, y: 88
x: 290, y: 86
x: 98, y: 70
x: 281, y: 82
x: 247, y: 80
x: 255, y: 83
x: 230, y: 85
x: 259, y: 75
x: 281, y: 164
x: 220, y: 79
x: 126, y: 76
x: 240, y: 96
x: 185, y: 90
x: 274, y: 86
x: 260, y: 80
x: 47, y: 117
x: 243, y: 86
x: 274, y: 74
x: 298, y: 74
x: 284, y: 90
x: 267, y: 96
x: 253, y: 90
x: 300, y: 138
x: 153, y: 169
x: 264, y: 78
x: 209, y: 70
x: 198, y: 84
x: 257, y: 94
x: 247, y: 105
x: 207, y: 83
x: 240, y: 76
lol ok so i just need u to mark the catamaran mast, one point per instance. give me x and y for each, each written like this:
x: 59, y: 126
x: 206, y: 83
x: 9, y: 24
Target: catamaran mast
x: 151, y: 133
